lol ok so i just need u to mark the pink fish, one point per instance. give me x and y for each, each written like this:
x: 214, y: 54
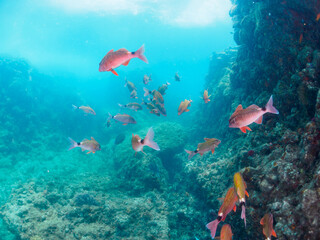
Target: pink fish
x: 120, y: 57
x: 86, y: 145
x: 241, y: 118
x: 138, y: 143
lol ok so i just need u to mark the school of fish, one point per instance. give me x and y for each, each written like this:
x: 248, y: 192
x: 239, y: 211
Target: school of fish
x: 241, y: 118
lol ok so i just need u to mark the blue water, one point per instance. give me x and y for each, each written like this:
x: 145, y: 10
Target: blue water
x: 61, y: 44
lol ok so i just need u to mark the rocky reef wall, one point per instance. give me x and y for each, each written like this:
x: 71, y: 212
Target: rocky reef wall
x: 278, y: 54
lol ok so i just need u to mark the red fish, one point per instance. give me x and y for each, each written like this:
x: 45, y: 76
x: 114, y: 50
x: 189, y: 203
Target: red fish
x: 228, y: 204
x: 267, y: 223
x: 120, y: 57
x: 318, y: 17
x: 138, y: 143
x: 240, y: 187
x: 241, y: 118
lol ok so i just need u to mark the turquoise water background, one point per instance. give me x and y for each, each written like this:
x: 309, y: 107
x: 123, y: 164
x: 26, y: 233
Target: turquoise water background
x: 58, y: 50
x: 70, y: 45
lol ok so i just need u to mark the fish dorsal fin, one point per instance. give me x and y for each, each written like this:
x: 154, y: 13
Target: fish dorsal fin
x: 253, y: 106
x: 93, y: 139
x: 274, y: 233
x: 262, y: 221
x: 239, y: 108
x: 207, y: 139
x: 110, y: 51
x: 85, y: 140
x: 126, y: 63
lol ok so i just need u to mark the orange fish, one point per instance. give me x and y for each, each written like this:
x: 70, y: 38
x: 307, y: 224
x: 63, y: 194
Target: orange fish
x: 209, y: 145
x: 122, y: 56
x: 89, y: 145
x: 228, y: 204
x: 138, y: 143
x: 300, y: 38
x: 156, y: 95
x: 267, y: 223
x: 318, y: 17
x: 183, y: 107
x: 240, y: 187
x: 243, y: 117
x: 206, y: 97
x: 226, y: 233
x: 86, y: 109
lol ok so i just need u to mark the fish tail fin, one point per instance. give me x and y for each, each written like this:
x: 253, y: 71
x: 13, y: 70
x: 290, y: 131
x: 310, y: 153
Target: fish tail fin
x: 74, y: 107
x: 191, y: 153
x: 243, y: 215
x: 139, y: 54
x: 109, y: 117
x: 73, y: 144
x: 146, y: 92
x: 270, y: 108
x: 212, y: 226
x: 120, y: 105
x: 148, y: 140
x: 168, y: 83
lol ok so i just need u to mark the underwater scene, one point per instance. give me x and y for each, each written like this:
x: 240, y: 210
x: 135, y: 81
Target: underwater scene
x: 136, y: 119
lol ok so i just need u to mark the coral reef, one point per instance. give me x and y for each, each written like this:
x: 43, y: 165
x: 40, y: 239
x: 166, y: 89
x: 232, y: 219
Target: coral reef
x: 37, y: 211
x: 279, y: 159
x: 116, y: 194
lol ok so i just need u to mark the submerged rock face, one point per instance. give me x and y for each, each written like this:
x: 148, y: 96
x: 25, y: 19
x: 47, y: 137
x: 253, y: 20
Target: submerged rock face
x: 31, y: 213
x: 278, y: 55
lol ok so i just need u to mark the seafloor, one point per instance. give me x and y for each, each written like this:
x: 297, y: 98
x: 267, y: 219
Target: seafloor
x: 50, y: 193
